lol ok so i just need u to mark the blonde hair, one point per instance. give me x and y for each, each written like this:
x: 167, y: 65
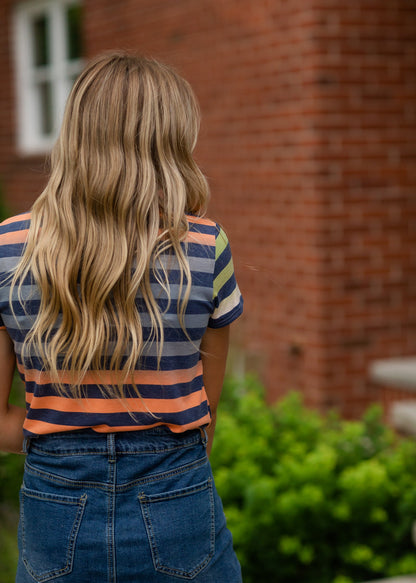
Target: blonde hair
x: 122, y: 181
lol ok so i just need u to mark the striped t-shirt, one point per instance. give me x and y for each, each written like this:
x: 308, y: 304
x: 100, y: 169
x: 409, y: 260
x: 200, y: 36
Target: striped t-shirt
x: 173, y: 392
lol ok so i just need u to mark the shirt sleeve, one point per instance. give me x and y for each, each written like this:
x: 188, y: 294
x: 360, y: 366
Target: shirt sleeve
x: 227, y: 299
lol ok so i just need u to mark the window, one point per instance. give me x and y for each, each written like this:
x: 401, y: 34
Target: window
x: 48, y: 60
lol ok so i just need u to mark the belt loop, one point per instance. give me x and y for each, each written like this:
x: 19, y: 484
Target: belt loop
x: 111, y: 447
x: 204, y: 436
x: 25, y: 445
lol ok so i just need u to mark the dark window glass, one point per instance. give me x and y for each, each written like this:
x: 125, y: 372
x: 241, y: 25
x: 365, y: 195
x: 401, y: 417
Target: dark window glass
x: 45, y: 108
x: 74, y: 32
x: 41, y: 51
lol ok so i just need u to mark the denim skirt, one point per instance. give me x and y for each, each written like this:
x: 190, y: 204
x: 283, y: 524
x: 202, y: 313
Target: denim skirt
x: 122, y: 508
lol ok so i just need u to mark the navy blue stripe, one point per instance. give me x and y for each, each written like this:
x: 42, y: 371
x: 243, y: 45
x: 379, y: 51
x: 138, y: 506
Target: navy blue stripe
x: 146, y: 363
x: 222, y: 261
x: 15, y: 226
x: 146, y: 391
x: 198, y: 250
x: 117, y: 419
x: 12, y: 249
x: 203, y: 228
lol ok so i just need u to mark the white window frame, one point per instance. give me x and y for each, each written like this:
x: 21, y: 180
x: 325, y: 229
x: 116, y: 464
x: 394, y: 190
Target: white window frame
x: 60, y: 72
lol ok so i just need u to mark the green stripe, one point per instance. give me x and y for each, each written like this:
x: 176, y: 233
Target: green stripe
x: 220, y: 244
x: 223, y: 277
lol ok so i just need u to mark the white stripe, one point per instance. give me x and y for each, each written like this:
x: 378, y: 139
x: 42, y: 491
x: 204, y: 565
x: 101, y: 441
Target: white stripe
x: 227, y: 305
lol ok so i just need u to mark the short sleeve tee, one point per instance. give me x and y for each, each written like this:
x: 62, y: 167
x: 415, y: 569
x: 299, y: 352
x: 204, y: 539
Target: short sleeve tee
x: 172, y: 393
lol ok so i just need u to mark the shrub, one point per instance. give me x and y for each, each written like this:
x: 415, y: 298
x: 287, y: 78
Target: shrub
x: 313, y: 498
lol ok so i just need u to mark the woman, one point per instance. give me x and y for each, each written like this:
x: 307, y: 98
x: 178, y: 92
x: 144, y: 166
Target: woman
x: 116, y: 299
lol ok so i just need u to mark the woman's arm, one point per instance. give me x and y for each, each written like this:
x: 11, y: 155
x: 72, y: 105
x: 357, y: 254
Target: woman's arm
x: 214, y: 350
x: 11, y: 417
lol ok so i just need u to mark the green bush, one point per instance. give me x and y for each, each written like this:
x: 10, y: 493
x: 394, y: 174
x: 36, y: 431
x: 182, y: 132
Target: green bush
x: 312, y: 498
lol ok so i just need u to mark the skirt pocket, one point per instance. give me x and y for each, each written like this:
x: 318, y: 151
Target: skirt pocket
x: 49, y: 525
x: 181, y: 529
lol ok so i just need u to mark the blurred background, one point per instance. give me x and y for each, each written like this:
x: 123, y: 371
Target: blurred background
x: 308, y: 140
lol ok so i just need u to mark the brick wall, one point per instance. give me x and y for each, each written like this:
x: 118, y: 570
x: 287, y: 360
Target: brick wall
x: 308, y: 140
x: 366, y: 180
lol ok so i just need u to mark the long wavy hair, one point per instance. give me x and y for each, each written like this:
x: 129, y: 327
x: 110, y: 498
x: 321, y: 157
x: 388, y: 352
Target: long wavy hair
x: 122, y: 180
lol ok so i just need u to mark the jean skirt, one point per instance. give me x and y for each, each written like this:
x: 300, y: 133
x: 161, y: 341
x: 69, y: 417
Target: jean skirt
x: 127, y: 507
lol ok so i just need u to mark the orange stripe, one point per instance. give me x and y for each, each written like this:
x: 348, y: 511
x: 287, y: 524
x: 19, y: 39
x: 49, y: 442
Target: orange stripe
x: 194, y: 425
x: 103, y: 428
x: 41, y: 427
x: 109, y: 406
x: 200, y: 221
x: 14, y: 237
x: 201, y: 238
x: 17, y: 219
x: 21, y: 236
x: 191, y: 219
x: 141, y: 377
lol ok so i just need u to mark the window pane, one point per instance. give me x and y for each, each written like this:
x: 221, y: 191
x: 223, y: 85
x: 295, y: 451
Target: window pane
x: 74, y: 32
x: 45, y: 108
x: 41, y: 51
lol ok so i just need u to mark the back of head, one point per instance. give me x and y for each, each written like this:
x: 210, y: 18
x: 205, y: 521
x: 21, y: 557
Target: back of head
x: 130, y: 127
x: 122, y: 181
